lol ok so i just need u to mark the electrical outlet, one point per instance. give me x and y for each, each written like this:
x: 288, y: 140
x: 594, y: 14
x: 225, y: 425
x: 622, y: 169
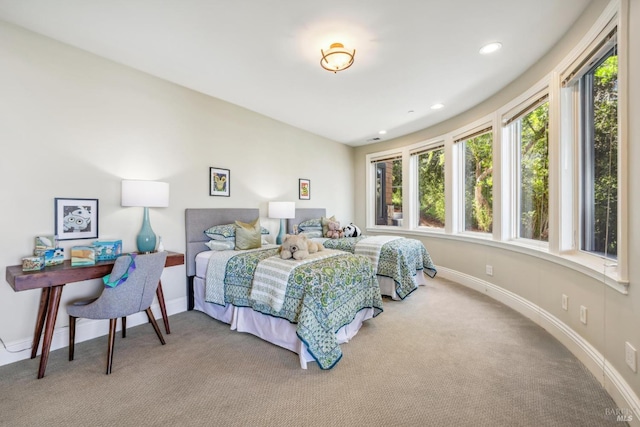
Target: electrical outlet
x: 565, y: 302
x: 583, y: 314
x: 489, y: 270
x: 630, y: 356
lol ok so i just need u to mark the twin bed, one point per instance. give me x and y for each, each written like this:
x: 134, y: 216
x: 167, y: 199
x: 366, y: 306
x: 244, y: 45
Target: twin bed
x: 325, y: 302
x: 400, y: 263
x: 315, y: 304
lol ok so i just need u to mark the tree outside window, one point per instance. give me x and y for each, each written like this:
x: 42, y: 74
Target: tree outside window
x: 599, y: 94
x: 431, y: 188
x: 532, y: 136
x: 478, y: 183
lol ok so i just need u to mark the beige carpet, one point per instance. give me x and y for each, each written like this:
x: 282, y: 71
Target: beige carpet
x: 446, y: 356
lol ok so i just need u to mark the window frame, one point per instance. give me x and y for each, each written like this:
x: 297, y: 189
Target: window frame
x: 414, y: 191
x: 510, y: 166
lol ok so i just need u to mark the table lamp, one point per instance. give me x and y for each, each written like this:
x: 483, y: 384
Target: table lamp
x: 146, y: 194
x: 282, y: 211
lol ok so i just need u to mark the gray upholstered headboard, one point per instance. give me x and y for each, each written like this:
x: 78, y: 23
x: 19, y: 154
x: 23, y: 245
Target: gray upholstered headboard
x: 198, y: 220
x: 303, y: 214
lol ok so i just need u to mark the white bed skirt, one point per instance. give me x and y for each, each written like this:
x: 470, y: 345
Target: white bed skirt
x: 388, y: 285
x: 272, y: 329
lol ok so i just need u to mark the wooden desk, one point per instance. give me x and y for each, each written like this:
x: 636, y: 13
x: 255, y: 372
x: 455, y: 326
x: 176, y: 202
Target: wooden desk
x: 52, y: 280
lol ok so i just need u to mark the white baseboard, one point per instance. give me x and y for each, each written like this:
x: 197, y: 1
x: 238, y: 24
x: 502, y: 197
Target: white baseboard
x: 86, y: 329
x: 596, y: 363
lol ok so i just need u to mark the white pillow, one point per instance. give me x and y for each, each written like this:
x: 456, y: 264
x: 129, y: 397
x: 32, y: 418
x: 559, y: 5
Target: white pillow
x: 221, y: 245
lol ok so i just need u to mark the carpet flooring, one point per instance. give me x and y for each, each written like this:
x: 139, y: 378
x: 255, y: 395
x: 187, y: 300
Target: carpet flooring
x: 445, y: 356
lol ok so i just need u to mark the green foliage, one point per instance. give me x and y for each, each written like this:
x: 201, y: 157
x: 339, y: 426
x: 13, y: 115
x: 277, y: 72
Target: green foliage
x: 605, y: 155
x: 534, y: 174
x: 479, y: 183
x: 431, y: 188
x: 396, y: 195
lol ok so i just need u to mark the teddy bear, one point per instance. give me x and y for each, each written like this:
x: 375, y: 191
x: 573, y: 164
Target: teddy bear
x: 333, y: 230
x: 298, y: 246
x: 352, y: 230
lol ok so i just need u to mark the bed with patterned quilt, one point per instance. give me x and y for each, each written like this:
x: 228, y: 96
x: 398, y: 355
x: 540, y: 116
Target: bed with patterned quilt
x: 400, y: 263
x: 308, y: 306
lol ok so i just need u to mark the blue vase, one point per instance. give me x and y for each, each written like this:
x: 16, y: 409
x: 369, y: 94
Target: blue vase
x: 146, y: 238
x: 280, y: 237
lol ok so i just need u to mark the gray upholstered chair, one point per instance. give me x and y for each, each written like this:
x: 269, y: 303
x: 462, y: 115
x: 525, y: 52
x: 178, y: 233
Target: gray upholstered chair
x: 131, y: 296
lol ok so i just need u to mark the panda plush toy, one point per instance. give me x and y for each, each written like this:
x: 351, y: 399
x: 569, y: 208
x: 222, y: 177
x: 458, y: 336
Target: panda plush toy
x: 351, y: 230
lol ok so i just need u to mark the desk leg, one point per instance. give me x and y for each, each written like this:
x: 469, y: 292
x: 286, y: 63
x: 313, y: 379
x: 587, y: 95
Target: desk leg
x: 163, y: 308
x: 42, y: 314
x: 52, y: 314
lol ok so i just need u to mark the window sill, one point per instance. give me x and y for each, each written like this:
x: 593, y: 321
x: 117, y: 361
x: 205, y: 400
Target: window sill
x: 603, y: 270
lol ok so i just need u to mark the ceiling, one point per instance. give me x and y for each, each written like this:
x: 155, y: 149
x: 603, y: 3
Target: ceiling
x: 265, y: 55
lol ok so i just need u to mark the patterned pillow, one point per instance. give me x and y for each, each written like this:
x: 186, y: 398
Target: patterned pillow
x: 310, y: 224
x: 312, y: 233
x: 221, y: 245
x: 221, y: 232
x: 226, y: 232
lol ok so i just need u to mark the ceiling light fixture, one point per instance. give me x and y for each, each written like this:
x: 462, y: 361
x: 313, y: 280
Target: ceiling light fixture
x: 337, y: 58
x: 490, y: 48
x: 382, y: 132
x: 437, y: 106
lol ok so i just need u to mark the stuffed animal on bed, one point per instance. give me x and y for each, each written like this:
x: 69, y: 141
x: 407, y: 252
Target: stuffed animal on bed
x: 333, y: 230
x: 351, y: 230
x: 298, y: 246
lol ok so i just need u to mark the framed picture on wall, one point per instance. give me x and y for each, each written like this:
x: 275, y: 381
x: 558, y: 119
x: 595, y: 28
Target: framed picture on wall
x: 76, y: 218
x: 304, y: 189
x: 219, y: 182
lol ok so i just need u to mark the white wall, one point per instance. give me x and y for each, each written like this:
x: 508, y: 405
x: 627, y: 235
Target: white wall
x: 74, y: 125
x: 532, y: 282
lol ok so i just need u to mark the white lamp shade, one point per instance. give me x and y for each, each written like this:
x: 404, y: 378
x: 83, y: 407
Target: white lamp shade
x: 282, y: 210
x: 148, y: 194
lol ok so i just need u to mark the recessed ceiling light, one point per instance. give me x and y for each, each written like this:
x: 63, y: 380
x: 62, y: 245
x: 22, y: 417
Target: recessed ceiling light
x: 490, y: 48
x: 437, y: 106
x: 382, y: 132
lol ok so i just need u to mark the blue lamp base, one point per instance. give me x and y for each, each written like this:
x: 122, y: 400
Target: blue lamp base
x: 280, y: 237
x: 146, y: 238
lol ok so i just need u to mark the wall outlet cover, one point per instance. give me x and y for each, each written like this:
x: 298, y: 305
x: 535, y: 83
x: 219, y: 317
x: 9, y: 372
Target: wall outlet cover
x: 583, y: 314
x: 630, y: 356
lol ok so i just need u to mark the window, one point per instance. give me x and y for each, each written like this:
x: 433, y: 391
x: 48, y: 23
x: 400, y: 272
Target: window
x: 558, y: 190
x: 431, y: 197
x: 478, y: 181
x: 528, y: 131
x: 598, y: 89
x: 388, y: 189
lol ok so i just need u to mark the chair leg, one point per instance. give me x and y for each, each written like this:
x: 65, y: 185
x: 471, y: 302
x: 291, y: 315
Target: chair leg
x: 112, y: 341
x: 124, y: 327
x: 72, y: 336
x: 155, y: 324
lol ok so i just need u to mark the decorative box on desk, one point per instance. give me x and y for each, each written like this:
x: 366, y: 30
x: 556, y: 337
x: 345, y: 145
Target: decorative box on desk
x: 44, y: 243
x: 107, y: 250
x: 83, y: 255
x: 53, y: 256
x: 32, y: 263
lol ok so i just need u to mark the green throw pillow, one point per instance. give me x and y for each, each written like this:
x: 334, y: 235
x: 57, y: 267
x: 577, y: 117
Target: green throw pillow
x: 248, y: 235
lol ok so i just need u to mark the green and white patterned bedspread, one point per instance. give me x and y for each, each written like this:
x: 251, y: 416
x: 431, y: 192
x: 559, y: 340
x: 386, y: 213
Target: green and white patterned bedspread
x: 321, y: 296
x: 399, y: 259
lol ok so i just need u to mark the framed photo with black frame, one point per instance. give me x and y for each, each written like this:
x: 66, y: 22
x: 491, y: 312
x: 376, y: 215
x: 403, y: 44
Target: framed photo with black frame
x: 304, y: 189
x: 219, y: 182
x: 76, y: 218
